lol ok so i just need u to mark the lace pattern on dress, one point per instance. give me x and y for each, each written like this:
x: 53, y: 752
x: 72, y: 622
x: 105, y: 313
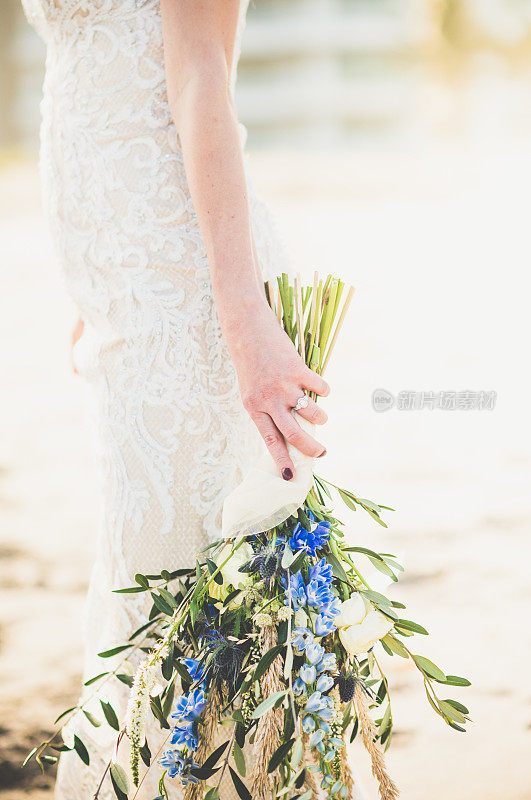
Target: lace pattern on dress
x: 173, y: 436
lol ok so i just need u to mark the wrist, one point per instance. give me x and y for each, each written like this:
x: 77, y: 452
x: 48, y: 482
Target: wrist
x: 243, y: 308
x: 237, y: 298
x: 239, y: 313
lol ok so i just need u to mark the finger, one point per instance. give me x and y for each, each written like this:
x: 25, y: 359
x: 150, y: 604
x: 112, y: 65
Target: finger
x: 315, y: 383
x: 294, y: 434
x: 312, y: 412
x: 275, y: 444
x: 72, y: 360
x: 76, y: 336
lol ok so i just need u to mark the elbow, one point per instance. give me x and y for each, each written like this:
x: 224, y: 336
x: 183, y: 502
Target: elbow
x: 199, y: 88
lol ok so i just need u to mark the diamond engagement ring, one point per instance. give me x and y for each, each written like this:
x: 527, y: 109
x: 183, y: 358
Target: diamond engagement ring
x: 302, y: 402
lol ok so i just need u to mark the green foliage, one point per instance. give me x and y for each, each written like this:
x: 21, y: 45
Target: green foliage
x: 81, y: 750
x: 225, y: 637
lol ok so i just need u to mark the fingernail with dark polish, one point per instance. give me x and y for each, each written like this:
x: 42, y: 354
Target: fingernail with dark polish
x: 321, y: 455
x: 287, y: 474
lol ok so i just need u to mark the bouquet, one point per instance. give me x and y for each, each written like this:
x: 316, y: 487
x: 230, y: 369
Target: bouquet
x: 274, y: 633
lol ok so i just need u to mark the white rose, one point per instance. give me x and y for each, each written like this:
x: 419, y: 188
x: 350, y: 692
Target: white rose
x: 360, y: 625
x: 229, y: 571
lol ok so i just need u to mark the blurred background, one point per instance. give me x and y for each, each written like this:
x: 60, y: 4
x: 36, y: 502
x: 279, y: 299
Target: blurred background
x: 391, y: 138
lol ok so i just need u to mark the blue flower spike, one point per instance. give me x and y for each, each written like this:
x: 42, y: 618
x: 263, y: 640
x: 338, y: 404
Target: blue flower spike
x: 308, y: 673
x: 300, y: 638
x: 314, y: 652
x: 310, y: 541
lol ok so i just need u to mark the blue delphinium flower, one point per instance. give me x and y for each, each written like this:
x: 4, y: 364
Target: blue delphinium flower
x: 297, y: 590
x: 324, y: 622
x: 318, y: 595
x: 324, y: 683
x: 328, y: 663
x: 301, y: 636
x: 320, y: 706
x: 319, y: 588
x: 324, y: 625
x: 310, y: 541
x: 314, y: 652
x: 172, y: 761
x: 178, y: 764
x: 332, y: 609
x: 322, y: 572
x: 325, y: 715
x: 195, y: 670
x: 189, y: 706
x: 314, y: 703
x: 308, y: 673
x: 185, y: 736
x: 299, y: 688
x: 317, y: 737
x: 308, y: 724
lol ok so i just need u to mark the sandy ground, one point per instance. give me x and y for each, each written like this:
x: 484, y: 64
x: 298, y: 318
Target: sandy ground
x: 437, y: 245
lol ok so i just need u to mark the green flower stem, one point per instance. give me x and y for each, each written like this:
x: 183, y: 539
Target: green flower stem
x: 226, y: 759
x: 216, y: 571
x: 316, y: 317
x: 162, y: 784
x: 340, y: 287
x: 312, y: 502
x: 296, y: 721
x: 358, y: 574
x: 44, y: 745
x: 327, y: 319
x: 386, y: 683
x: 119, y: 738
x: 428, y: 686
x: 268, y: 603
x: 338, y: 552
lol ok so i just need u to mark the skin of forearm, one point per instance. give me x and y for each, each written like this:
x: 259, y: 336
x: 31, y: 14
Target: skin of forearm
x: 199, y: 38
x: 213, y: 160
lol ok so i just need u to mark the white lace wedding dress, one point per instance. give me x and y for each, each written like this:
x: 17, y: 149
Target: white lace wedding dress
x: 173, y: 435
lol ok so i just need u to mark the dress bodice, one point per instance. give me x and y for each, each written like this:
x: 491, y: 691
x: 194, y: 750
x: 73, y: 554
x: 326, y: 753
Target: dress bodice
x: 114, y: 182
x: 52, y: 17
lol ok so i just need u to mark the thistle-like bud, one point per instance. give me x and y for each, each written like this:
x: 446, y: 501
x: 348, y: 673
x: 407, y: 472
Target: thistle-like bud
x: 346, y: 685
x: 268, y: 566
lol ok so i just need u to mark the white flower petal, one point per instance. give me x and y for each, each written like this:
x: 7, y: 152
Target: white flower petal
x: 357, y: 639
x: 230, y: 571
x: 353, y: 611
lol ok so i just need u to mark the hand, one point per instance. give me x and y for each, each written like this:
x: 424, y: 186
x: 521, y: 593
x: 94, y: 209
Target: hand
x: 272, y: 377
x: 77, y: 332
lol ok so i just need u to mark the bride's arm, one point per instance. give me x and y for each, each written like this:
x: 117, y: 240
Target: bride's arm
x: 199, y: 37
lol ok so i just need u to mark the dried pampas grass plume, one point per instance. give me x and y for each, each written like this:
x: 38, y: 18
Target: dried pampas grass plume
x: 341, y: 764
x: 310, y: 776
x: 388, y: 789
x: 269, y: 728
x: 346, y: 772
